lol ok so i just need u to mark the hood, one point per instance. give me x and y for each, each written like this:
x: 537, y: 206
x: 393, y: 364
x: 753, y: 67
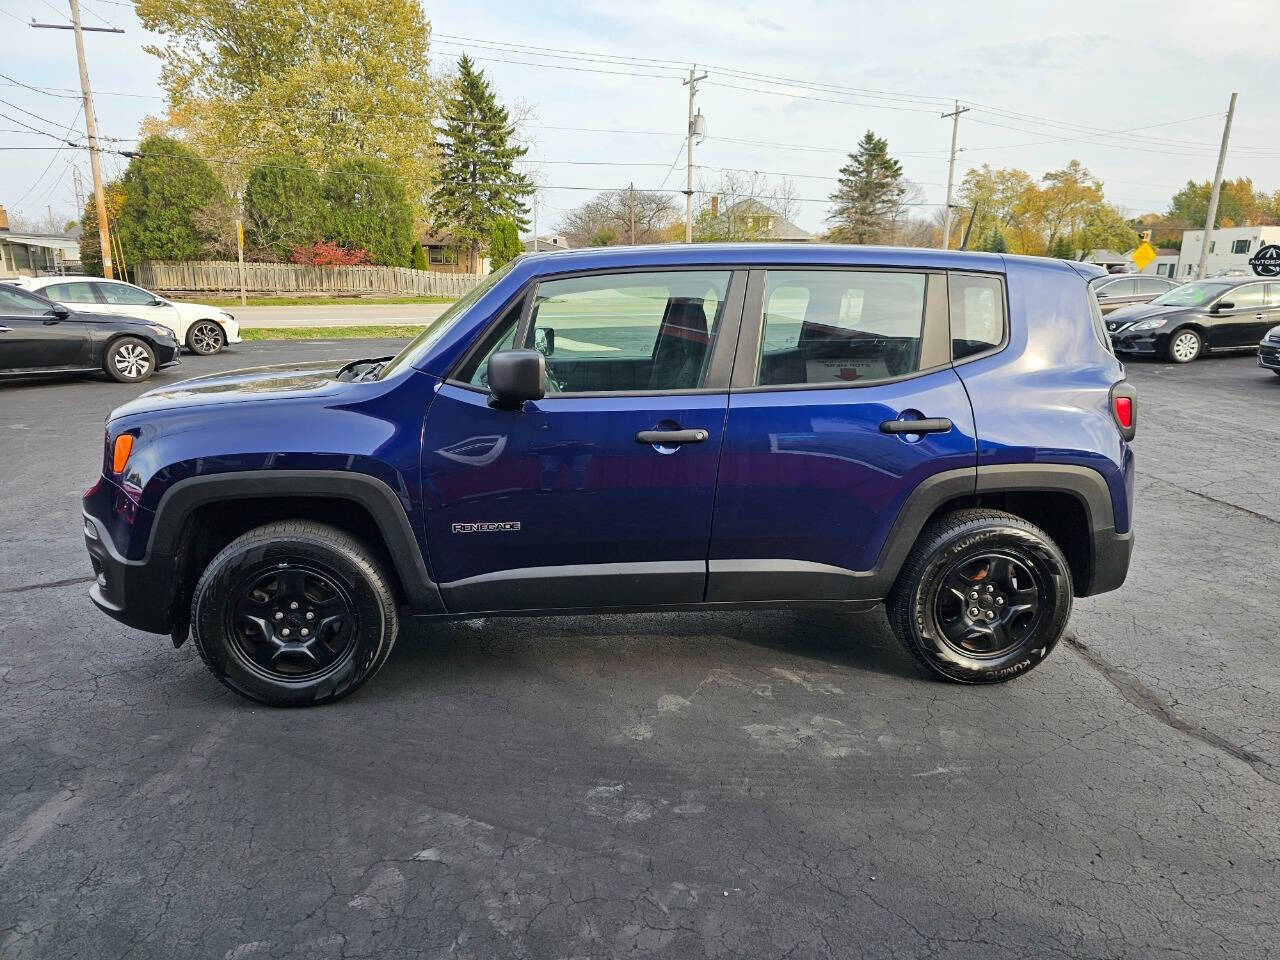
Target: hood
x: 1138, y: 311
x: 280, y: 381
x: 198, y: 311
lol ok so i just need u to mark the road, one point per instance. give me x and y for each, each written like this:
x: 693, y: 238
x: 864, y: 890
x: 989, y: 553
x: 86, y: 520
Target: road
x: 675, y: 786
x: 338, y: 315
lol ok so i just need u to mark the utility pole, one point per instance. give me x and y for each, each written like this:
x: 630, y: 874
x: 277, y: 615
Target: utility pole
x: 692, y: 83
x: 77, y: 184
x: 631, y: 209
x: 1217, y: 188
x: 951, y: 172
x: 91, y: 126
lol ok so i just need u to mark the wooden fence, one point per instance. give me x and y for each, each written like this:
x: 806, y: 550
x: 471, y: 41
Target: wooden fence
x: 216, y: 276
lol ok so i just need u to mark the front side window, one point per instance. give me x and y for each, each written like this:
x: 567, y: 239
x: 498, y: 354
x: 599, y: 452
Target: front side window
x: 977, y: 314
x: 840, y: 326
x: 628, y: 331
x: 71, y: 292
x: 18, y: 303
x: 122, y: 294
x: 1251, y: 296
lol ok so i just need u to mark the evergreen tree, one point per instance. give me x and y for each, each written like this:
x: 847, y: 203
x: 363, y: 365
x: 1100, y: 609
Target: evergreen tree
x: 869, y: 199
x: 419, y: 261
x: 504, y: 242
x: 1063, y: 249
x: 164, y: 186
x: 994, y: 242
x: 478, y: 181
x: 368, y: 210
x: 282, y: 205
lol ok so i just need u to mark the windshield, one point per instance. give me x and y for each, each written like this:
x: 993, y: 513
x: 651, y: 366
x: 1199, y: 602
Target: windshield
x: 432, y: 333
x: 1190, y: 294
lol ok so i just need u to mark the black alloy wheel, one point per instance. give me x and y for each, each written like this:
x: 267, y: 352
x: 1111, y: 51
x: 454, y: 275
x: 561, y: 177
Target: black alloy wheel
x: 987, y: 604
x: 292, y: 621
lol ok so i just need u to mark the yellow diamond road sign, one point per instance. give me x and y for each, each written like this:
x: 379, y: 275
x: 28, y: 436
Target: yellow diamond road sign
x: 1143, y: 255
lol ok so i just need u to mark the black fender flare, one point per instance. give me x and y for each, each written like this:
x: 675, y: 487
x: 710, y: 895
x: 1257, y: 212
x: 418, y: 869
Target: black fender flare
x: 383, y: 505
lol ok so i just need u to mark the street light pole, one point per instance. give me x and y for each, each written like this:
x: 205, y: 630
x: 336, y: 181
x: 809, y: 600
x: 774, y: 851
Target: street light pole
x: 1217, y: 188
x: 951, y: 172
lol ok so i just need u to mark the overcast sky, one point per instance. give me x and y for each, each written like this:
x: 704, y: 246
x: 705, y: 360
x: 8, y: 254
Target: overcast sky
x: 1042, y: 80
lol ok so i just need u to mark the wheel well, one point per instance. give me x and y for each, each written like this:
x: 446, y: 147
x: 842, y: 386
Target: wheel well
x: 211, y: 526
x: 1059, y: 514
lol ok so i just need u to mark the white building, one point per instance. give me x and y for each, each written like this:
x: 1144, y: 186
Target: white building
x: 1229, y: 250
x: 1164, y: 265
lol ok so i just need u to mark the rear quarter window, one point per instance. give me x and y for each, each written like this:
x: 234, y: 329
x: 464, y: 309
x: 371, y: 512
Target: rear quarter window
x: 978, y: 318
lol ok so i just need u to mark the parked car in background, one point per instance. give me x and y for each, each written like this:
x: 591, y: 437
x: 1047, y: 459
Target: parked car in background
x: 201, y: 328
x: 38, y: 335
x: 1218, y: 314
x: 642, y: 428
x: 1115, y: 290
x: 1269, y: 351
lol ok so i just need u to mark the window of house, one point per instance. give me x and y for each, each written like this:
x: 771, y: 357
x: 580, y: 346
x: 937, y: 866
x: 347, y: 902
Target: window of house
x: 1241, y: 246
x: 977, y: 314
x: 1212, y: 244
x: 832, y: 326
x: 443, y: 255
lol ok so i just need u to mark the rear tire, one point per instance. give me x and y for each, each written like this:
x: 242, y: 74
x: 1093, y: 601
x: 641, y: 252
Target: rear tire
x: 983, y: 597
x: 206, y: 338
x: 130, y: 360
x: 1185, y: 345
x: 294, y: 613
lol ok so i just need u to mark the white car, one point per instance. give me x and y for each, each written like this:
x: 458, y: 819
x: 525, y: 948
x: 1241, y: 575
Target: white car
x: 203, y: 329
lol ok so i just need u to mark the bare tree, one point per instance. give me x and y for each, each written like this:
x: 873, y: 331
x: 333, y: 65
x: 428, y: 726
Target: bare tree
x: 608, y: 218
x: 743, y: 205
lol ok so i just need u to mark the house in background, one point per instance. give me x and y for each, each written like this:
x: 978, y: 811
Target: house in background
x: 446, y: 255
x: 34, y: 254
x: 1164, y: 265
x: 1229, y: 250
x: 545, y: 244
x: 751, y: 219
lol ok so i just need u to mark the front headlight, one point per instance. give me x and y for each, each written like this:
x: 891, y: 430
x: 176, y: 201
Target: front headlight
x: 164, y: 333
x: 225, y: 316
x: 1148, y: 324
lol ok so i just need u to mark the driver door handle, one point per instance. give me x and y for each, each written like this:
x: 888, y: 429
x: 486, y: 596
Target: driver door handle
x: 6, y: 329
x: 671, y: 437
x: 932, y: 425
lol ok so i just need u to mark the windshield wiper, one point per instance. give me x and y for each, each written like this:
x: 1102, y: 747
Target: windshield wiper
x: 361, y: 371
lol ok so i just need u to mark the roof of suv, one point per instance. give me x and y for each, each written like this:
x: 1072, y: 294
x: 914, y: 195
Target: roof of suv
x: 800, y: 254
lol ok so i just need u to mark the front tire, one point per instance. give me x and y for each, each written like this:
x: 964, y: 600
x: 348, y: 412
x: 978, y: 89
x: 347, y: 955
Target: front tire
x: 1185, y: 345
x: 983, y: 597
x: 130, y: 360
x: 206, y: 338
x: 294, y: 613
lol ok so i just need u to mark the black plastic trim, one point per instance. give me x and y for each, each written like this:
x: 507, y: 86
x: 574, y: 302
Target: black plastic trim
x: 369, y: 492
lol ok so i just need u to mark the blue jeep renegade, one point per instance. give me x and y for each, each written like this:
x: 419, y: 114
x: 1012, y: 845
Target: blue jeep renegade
x: 643, y: 428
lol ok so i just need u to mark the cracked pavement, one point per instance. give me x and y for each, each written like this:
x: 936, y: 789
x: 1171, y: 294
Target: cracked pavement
x: 781, y: 784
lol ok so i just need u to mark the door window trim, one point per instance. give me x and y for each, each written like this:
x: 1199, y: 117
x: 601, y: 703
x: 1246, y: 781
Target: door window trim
x: 935, y: 332
x: 723, y: 344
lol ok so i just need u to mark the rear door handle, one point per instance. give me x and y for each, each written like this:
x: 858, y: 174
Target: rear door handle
x: 671, y: 437
x: 934, y: 425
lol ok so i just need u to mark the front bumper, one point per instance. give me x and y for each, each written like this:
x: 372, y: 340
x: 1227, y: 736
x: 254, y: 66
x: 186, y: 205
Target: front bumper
x: 1269, y: 354
x: 138, y: 593
x: 1144, y: 342
x: 232, y: 330
x: 167, y: 354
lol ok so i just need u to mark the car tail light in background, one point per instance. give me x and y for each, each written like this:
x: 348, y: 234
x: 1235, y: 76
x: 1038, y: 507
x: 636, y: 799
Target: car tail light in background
x: 120, y: 451
x: 1124, y: 409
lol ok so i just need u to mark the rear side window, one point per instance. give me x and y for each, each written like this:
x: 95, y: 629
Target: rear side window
x: 834, y: 326
x: 71, y: 292
x: 977, y: 314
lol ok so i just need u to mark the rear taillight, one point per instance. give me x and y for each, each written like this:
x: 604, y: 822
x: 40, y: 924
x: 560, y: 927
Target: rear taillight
x: 1124, y: 409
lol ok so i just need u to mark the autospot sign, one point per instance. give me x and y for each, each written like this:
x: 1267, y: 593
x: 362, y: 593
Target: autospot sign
x: 1266, y: 262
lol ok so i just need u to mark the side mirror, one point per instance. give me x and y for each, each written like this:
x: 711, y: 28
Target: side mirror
x: 59, y: 311
x: 516, y: 376
x: 1222, y: 305
x: 544, y: 340
x: 1102, y: 293
x: 157, y: 302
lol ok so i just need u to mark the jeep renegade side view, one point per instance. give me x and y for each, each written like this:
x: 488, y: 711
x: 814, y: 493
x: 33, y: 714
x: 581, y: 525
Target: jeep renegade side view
x: 642, y: 428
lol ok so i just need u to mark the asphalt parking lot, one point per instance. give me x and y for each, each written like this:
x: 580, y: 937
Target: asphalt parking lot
x: 675, y: 786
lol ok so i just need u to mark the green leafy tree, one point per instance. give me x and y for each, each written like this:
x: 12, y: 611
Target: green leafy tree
x: 368, y: 210
x: 90, y: 244
x: 1105, y: 226
x: 478, y: 182
x: 504, y: 242
x: 165, y: 186
x: 319, y: 78
x: 1063, y: 249
x: 1239, y: 204
x: 419, y: 259
x: 870, y: 196
x: 994, y: 194
x: 283, y: 208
